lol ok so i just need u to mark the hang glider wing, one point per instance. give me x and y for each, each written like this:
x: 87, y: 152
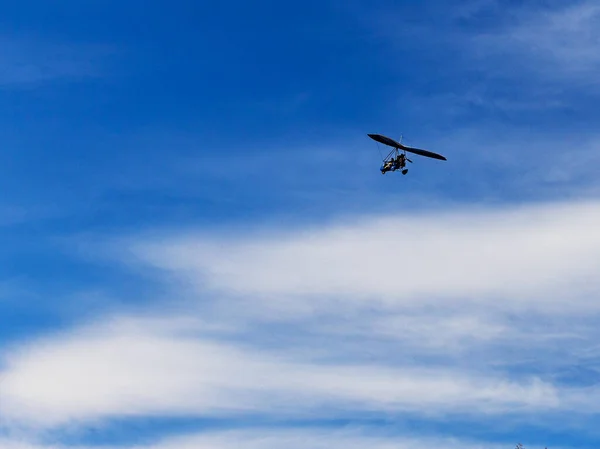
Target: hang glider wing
x: 392, y: 143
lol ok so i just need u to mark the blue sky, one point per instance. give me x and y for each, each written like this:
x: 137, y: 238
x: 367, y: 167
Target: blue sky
x: 199, y: 250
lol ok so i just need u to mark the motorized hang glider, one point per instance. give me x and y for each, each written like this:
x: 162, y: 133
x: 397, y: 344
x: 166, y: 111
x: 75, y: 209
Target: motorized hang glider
x: 396, y: 159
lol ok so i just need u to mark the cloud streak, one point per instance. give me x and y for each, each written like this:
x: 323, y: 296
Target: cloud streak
x: 293, y: 439
x: 566, y: 39
x: 542, y: 257
x: 137, y: 368
x: 313, y: 438
x: 336, y: 289
x: 527, y: 64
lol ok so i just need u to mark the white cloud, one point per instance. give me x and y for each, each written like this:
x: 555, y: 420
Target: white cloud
x: 441, y: 283
x: 568, y: 38
x: 314, y: 439
x: 463, y: 273
x: 517, y: 63
x: 565, y: 37
x: 10, y: 444
x: 553, y: 43
x: 142, y: 368
x: 292, y: 439
x: 542, y: 257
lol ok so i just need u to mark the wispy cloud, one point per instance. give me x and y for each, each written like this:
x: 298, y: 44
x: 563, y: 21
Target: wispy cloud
x: 138, y: 368
x: 555, y: 41
x: 313, y: 438
x: 422, y: 294
x: 509, y: 61
x: 438, y: 285
x: 267, y: 438
x: 552, y: 42
x: 529, y: 256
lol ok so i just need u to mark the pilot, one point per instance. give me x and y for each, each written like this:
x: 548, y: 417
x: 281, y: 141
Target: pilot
x: 401, y: 160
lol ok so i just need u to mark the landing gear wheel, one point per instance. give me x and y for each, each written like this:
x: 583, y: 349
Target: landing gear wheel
x: 405, y: 171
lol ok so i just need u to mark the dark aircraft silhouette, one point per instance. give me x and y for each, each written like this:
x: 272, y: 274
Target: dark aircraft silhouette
x: 396, y: 160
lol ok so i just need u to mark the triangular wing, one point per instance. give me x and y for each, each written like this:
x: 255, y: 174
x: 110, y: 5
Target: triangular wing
x: 424, y: 153
x: 385, y: 140
x: 392, y: 143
